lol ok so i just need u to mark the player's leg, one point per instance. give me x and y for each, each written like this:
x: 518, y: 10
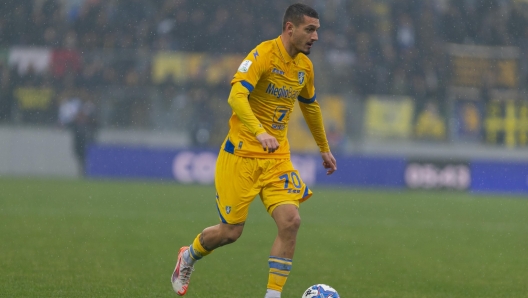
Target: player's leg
x: 282, y: 196
x: 212, y: 238
x: 207, y: 241
x: 288, y: 222
x: 234, y: 194
x: 281, y: 256
x: 216, y: 236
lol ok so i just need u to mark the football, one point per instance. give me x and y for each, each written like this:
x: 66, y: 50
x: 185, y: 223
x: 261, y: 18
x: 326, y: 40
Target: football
x: 320, y: 291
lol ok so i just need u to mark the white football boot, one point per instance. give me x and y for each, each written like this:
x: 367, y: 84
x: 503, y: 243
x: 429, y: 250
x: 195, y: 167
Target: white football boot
x: 182, y: 274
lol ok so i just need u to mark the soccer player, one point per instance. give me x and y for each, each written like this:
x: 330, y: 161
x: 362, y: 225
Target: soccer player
x: 254, y: 159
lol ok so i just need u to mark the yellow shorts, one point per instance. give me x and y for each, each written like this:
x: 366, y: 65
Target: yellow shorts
x: 238, y: 180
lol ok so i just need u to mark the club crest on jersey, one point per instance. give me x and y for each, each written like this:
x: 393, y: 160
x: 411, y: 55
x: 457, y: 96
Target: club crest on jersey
x: 301, y: 77
x: 228, y: 209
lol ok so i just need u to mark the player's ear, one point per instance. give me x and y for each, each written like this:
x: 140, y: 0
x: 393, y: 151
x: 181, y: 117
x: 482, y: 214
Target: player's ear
x: 289, y: 28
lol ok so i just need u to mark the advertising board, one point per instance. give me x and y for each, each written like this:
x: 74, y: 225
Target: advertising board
x: 452, y: 175
x: 198, y: 166
x: 499, y: 176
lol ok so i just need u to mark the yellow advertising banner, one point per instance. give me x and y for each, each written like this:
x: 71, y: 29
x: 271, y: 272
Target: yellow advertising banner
x: 222, y: 69
x: 389, y: 116
x: 165, y: 65
x: 507, y: 123
x: 299, y: 135
x: 477, y: 66
x: 183, y: 67
x: 34, y: 98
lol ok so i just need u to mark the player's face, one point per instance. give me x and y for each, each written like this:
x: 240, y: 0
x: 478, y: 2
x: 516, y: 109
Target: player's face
x: 305, y: 35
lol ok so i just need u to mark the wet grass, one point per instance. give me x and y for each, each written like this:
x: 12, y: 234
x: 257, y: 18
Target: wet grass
x: 83, y: 238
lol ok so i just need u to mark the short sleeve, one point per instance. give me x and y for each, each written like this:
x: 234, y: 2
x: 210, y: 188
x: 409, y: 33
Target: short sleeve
x: 307, y: 94
x: 250, y: 70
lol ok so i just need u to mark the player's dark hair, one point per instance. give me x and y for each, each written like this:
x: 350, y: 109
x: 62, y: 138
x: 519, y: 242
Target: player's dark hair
x: 295, y: 14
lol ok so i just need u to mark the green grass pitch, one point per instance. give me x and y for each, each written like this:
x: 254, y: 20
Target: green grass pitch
x: 74, y: 238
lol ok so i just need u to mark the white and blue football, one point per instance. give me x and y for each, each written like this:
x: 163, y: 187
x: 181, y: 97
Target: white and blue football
x: 320, y: 291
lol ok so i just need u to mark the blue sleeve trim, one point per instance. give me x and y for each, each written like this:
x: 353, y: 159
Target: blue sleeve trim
x: 229, y: 147
x: 306, y: 100
x: 247, y: 85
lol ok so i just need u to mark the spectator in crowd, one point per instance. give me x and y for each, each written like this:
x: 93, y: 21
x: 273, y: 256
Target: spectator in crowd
x: 6, y: 93
x: 77, y: 112
x: 430, y: 125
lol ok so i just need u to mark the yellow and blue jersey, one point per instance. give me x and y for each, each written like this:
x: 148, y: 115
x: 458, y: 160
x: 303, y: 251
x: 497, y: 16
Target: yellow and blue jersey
x: 274, y: 81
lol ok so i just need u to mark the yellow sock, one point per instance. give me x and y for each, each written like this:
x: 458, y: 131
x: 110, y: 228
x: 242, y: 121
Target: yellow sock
x: 196, y: 249
x: 278, y: 273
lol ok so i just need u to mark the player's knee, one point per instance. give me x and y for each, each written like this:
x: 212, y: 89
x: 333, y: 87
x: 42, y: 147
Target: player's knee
x: 296, y: 222
x: 291, y: 224
x: 233, y: 236
x: 231, y: 239
x: 232, y: 233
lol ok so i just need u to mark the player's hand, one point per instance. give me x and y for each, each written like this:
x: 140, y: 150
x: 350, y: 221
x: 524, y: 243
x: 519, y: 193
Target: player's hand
x: 329, y: 162
x: 269, y: 143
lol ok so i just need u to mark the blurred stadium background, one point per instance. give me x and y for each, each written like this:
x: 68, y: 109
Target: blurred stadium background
x: 428, y: 79
x: 416, y: 94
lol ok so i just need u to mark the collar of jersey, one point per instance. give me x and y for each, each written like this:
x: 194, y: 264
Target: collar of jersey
x: 285, y: 56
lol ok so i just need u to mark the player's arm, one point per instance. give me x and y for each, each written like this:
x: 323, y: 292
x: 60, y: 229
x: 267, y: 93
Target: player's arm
x: 314, y: 119
x: 243, y: 83
x: 238, y: 100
